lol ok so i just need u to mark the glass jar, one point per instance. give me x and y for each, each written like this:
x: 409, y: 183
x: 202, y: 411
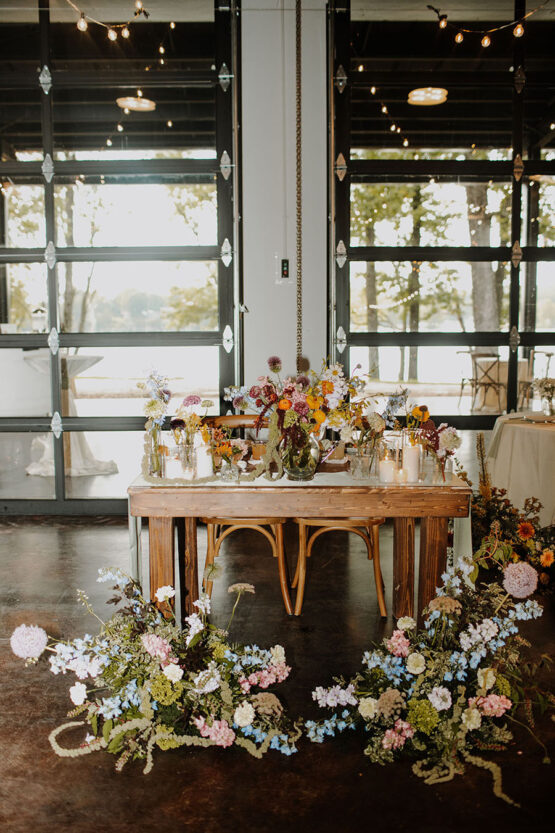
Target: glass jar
x: 300, y: 460
x: 156, y: 454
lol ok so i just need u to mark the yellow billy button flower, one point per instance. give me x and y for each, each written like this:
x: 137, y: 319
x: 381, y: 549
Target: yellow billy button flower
x: 319, y: 416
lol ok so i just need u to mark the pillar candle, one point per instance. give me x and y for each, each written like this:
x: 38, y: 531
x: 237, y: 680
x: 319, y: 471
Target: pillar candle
x: 204, y: 462
x: 411, y: 462
x: 387, y: 471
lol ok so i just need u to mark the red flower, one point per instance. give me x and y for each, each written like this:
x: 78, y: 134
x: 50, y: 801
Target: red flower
x: 525, y: 530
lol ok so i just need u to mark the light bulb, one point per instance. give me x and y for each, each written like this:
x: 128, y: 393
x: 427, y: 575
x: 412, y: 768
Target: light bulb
x: 405, y: 143
x: 161, y: 50
x: 459, y: 37
x: 552, y: 125
x: 360, y: 68
x: 384, y: 109
x: 373, y: 90
x: 120, y: 128
x: 139, y: 93
x: 139, y: 4
x: 112, y: 34
x: 443, y: 21
x: 518, y: 31
x: 162, y: 61
x: 82, y: 24
x: 172, y: 25
x: 125, y: 32
x: 169, y: 123
x: 397, y: 129
x: 393, y: 128
x: 126, y: 111
x: 486, y: 40
x: 109, y: 142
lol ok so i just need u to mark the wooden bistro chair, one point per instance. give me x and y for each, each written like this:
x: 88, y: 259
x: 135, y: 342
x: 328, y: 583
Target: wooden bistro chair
x: 366, y: 528
x: 218, y: 529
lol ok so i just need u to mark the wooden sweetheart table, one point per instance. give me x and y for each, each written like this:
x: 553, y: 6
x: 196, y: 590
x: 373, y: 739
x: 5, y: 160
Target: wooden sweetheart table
x: 329, y: 495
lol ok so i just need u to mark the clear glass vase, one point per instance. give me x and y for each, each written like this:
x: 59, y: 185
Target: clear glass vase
x: 363, y: 461
x: 300, y: 459
x: 187, y: 455
x: 156, y: 455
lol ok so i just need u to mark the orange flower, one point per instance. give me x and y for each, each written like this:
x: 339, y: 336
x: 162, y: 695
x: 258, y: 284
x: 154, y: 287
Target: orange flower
x: 284, y: 404
x: 319, y: 416
x: 547, y: 558
x: 525, y: 530
x: 327, y: 387
x: 312, y: 401
x: 544, y: 578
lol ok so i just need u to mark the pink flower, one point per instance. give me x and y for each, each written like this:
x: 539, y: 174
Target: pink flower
x: 254, y: 392
x: 274, y: 363
x: 245, y: 685
x: 396, y: 738
x: 520, y: 579
x: 219, y: 732
x: 156, y: 646
x: 192, y: 399
x: 398, y: 645
x: 28, y: 641
x: 494, y: 705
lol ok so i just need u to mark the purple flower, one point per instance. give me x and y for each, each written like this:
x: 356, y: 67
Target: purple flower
x: 300, y: 407
x: 520, y: 579
x: 303, y: 381
x: 192, y: 399
x: 238, y: 401
x: 274, y: 363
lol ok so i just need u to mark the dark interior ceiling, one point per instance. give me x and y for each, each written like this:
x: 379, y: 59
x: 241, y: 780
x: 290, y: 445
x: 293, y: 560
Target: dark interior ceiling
x: 90, y: 73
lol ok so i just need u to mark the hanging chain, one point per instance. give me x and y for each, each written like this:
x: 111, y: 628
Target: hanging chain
x: 299, y: 185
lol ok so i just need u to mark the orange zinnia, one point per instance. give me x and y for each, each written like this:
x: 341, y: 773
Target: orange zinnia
x: 284, y: 404
x: 327, y: 387
x: 525, y: 530
x: 547, y: 558
x: 319, y: 416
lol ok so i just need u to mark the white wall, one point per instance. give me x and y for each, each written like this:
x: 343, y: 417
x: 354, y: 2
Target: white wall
x: 268, y: 167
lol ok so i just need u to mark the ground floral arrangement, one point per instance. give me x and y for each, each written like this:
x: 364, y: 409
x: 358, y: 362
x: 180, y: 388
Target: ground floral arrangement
x: 143, y: 682
x: 442, y: 695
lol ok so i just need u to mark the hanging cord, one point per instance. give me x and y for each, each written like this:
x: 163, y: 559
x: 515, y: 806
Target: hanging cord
x: 299, y: 186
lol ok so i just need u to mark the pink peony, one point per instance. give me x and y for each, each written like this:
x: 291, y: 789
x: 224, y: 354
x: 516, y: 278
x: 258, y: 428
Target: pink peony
x: 398, y: 645
x: 28, y: 641
x: 520, y: 579
x: 494, y: 705
x: 156, y: 646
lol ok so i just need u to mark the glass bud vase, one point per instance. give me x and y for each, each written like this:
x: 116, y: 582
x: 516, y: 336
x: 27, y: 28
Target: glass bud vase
x: 156, y: 457
x: 187, y: 455
x: 300, y: 460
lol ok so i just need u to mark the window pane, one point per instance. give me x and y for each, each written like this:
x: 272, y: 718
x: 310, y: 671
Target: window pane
x: 25, y: 375
x: 26, y: 466
x: 24, y: 215
x: 537, y: 297
x: 136, y: 214
x: 546, y: 215
x: 533, y: 363
x: 102, y: 464
x: 108, y: 386
x: 27, y: 296
x: 448, y: 379
x: 138, y: 296
x: 428, y: 297
x: 434, y: 214
x: 20, y: 115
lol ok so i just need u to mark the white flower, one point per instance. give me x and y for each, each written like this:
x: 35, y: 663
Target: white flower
x: 368, y: 707
x: 173, y: 672
x: 376, y: 422
x: 487, y: 629
x: 28, y: 641
x: 415, y: 663
x: 406, y: 623
x: 154, y: 409
x: 203, y: 603
x: 195, y: 626
x: 164, y: 593
x: 440, y: 698
x: 78, y: 693
x: 278, y: 655
x: 346, y: 434
x: 241, y: 587
x: 449, y: 440
x: 208, y: 680
x: 472, y: 719
x: 486, y: 678
x: 80, y: 667
x: 244, y: 715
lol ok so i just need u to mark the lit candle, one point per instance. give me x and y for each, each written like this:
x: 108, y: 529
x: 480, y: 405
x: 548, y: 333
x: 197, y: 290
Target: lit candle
x: 387, y: 471
x: 411, y: 462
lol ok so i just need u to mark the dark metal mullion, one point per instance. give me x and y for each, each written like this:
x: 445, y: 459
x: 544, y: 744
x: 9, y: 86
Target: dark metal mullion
x: 50, y: 225
x: 421, y: 339
x: 183, y: 338
x: 341, y: 143
x: 124, y: 167
x: 224, y: 142
x: 516, y: 208
x: 447, y: 253
x: 532, y: 228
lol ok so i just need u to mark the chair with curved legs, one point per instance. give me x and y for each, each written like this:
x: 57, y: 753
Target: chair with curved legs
x: 218, y: 529
x: 366, y: 528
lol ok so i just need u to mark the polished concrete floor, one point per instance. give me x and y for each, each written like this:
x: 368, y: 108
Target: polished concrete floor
x: 331, y: 787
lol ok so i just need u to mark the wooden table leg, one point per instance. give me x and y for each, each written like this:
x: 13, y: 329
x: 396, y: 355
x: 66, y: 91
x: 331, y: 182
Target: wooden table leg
x: 433, y: 558
x: 160, y: 542
x: 189, y: 574
x: 403, y: 567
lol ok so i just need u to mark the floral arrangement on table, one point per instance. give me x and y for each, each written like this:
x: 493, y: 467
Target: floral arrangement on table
x: 447, y: 692
x: 144, y: 683
x: 158, y: 395
x: 296, y: 409
x: 497, y: 524
x: 187, y: 422
x: 227, y: 449
x: 546, y: 389
x: 441, y: 441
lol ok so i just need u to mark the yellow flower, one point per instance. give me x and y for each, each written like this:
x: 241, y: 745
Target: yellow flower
x: 319, y: 416
x: 312, y: 401
x: 547, y: 558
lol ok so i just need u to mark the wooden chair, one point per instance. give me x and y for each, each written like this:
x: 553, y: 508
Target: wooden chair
x: 218, y: 529
x: 486, y: 378
x: 366, y: 528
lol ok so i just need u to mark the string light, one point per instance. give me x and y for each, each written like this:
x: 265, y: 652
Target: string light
x: 112, y: 34
x: 112, y: 29
x: 172, y: 25
x: 109, y: 142
x: 516, y: 25
x: 393, y: 128
x: 82, y: 24
x: 169, y: 123
x: 161, y: 50
x: 360, y: 68
x: 125, y: 32
x: 405, y: 143
x: 384, y: 109
x: 138, y: 5
x: 139, y: 93
x: 373, y: 90
x: 552, y: 125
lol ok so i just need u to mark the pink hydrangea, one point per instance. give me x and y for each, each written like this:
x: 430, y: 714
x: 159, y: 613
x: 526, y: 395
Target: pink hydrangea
x: 494, y: 705
x: 520, y: 579
x: 28, y: 641
x: 219, y: 732
x: 398, y: 645
x: 156, y: 646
